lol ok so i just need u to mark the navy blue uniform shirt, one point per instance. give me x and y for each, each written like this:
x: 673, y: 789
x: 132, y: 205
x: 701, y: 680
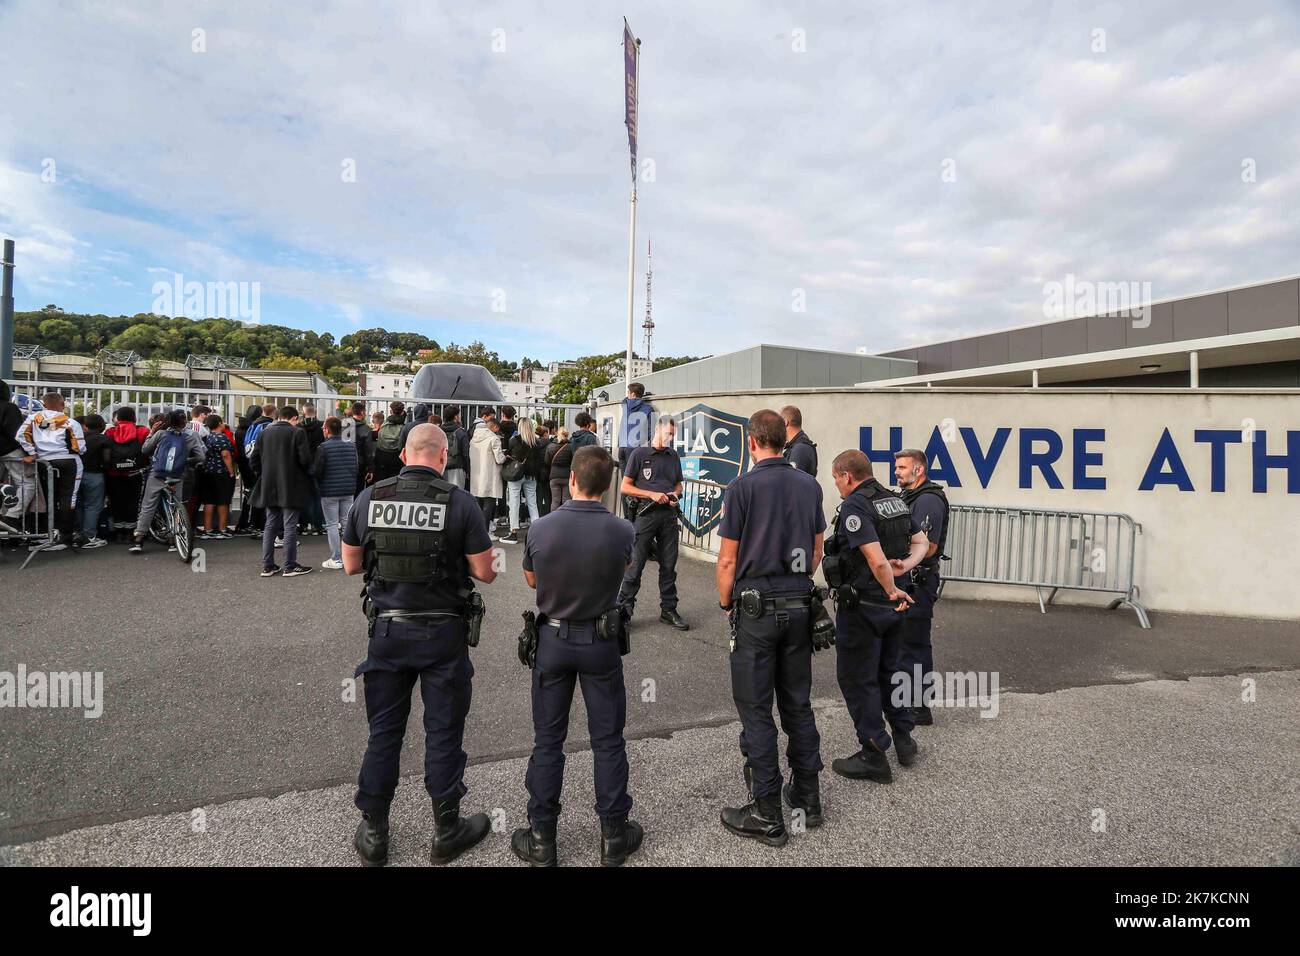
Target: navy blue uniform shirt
x: 930, y: 514
x: 855, y: 522
x: 654, y: 469
x: 775, y: 512
x: 579, y: 553
x: 466, y: 533
x: 802, y: 453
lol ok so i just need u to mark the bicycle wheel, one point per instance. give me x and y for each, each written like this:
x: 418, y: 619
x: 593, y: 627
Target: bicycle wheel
x: 160, y: 529
x: 183, y: 531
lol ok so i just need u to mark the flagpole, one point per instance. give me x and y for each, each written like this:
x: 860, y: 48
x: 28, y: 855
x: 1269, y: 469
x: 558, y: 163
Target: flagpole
x: 631, y: 238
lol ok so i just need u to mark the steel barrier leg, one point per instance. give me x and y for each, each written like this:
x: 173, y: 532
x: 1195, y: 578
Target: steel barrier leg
x: 1041, y: 606
x: 1136, y: 606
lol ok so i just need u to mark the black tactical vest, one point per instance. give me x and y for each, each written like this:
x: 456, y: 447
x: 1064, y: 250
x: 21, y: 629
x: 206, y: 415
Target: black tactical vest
x: 406, y: 538
x: 892, y: 520
x: 931, y: 488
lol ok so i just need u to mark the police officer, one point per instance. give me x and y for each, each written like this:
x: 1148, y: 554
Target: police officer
x: 771, y: 543
x: 872, y: 527
x: 929, y: 504
x: 654, y: 475
x: 575, y: 557
x: 799, y: 450
x: 419, y: 540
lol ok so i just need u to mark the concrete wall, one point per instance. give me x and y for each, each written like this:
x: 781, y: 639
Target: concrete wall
x: 1230, y: 551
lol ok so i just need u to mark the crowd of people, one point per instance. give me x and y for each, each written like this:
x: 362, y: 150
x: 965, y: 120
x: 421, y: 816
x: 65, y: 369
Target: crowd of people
x: 295, y: 474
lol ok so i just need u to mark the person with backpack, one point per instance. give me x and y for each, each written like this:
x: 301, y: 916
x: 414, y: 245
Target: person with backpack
x: 90, y: 499
x: 457, y: 447
x: 174, y: 450
x: 363, y: 436
x: 388, y: 442
x: 54, y: 441
x: 558, y: 469
x: 215, y: 486
x: 251, y: 518
x: 521, y: 481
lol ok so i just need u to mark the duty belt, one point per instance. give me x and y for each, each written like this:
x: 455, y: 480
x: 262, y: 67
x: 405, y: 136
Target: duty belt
x: 414, y: 616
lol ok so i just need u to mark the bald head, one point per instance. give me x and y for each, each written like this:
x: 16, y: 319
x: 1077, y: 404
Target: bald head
x: 426, y: 445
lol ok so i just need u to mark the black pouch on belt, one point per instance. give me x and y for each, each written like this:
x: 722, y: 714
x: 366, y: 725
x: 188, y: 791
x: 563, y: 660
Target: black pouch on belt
x: 751, y: 603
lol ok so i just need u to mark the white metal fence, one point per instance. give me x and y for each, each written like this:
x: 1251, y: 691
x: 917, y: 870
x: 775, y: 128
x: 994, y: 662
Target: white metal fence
x: 86, y: 399
x: 1046, y: 550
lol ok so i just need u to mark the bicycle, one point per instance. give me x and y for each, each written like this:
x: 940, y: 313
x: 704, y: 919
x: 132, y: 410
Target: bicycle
x: 172, y: 524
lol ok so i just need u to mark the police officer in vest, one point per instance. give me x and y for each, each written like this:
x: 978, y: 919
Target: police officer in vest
x: 419, y: 540
x: 929, y: 504
x: 654, y: 476
x: 771, y: 544
x: 799, y: 449
x: 873, y: 526
x: 575, y: 558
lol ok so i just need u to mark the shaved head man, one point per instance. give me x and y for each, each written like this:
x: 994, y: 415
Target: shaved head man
x: 426, y: 445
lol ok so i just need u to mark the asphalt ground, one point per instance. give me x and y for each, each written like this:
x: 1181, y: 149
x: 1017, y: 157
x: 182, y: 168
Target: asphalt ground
x: 224, y: 691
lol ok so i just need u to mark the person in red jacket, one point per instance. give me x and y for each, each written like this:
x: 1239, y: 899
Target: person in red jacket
x: 124, y: 476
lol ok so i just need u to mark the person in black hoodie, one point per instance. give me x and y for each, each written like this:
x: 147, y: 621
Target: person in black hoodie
x: 419, y: 417
x: 12, y: 468
x: 313, y: 517
x: 799, y: 448
x: 457, y: 447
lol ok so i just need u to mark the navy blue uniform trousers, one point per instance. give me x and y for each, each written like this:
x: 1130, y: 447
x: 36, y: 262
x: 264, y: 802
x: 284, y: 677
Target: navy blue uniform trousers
x: 916, y: 648
x: 566, y: 656
x: 867, y: 647
x: 774, y: 660
x: 656, y: 526
x: 437, y: 656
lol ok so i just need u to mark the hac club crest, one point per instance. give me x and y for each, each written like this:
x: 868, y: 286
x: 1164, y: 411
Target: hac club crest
x: 713, y: 447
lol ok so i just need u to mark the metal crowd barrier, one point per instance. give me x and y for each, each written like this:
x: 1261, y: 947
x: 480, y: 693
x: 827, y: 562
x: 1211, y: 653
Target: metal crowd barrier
x: 701, y: 506
x: 1046, y: 550
x: 37, y: 501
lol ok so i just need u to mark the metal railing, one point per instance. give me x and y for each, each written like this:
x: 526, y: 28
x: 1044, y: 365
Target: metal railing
x: 231, y: 405
x: 700, y: 511
x: 1046, y: 550
x: 37, y: 500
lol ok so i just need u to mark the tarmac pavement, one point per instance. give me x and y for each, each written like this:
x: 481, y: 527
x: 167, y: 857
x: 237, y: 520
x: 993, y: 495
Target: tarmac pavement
x: 224, y: 693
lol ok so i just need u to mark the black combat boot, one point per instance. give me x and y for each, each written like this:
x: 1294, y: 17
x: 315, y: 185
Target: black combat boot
x: 371, y: 838
x: 866, y: 764
x: 762, y: 819
x: 673, y: 619
x: 452, y: 833
x: 905, y: 747
x: 922, y: 716
x: 619, y: 839
x: 535, y: 844
x: 803, y: 793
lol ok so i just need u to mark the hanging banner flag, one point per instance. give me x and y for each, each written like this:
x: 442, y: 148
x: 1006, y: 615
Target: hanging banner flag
x: 631, y: 53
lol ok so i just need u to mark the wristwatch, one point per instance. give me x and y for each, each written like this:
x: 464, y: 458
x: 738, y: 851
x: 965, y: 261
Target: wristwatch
x: 725, y: 607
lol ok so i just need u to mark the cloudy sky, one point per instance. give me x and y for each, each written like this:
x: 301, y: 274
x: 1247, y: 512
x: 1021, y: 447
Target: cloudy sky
x: 909, y: 171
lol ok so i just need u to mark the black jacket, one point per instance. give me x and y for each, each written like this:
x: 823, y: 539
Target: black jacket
x: 457, y: 446
x: 803, y: 453
x: 283, y: 461
x: 11, y: 419
x: 315, y: 430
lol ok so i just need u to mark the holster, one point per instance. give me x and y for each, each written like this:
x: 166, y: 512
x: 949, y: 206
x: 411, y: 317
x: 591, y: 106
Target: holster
x: 474, y: 611
x: 528, y: 640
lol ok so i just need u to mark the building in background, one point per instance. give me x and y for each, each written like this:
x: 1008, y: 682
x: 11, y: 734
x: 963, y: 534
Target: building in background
x: 1243, y: 337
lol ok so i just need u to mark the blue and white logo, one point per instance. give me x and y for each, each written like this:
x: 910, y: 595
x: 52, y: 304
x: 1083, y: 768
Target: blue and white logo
x: 713, y: 447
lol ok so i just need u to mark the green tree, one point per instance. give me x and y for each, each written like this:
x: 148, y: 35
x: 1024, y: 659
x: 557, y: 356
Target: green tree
x: 571, y: 386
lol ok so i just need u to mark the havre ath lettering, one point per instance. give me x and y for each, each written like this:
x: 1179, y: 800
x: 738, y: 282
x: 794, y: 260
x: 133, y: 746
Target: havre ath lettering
x: 1270, y: 454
